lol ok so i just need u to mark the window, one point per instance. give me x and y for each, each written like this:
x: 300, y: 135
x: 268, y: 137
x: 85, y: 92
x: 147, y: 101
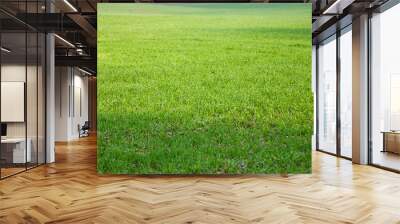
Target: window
x: 385, y: 89
x: 346, y: 92
x: 22, y: 66
x: 327, y: 95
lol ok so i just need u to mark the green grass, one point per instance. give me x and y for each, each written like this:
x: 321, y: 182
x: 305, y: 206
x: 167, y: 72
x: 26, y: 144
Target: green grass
x: 204, y: 88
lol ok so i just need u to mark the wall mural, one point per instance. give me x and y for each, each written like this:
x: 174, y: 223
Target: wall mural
x: 204, y: 88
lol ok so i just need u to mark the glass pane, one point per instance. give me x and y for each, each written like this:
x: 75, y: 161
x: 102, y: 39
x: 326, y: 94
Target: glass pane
x: 31, y: 98
x: 327, y: 96
x: 386, y: 89
x: 314, y: 78
x: 31, y: 88
x: 346, y: 92
x: 41, y: 98
x: 14, y: 153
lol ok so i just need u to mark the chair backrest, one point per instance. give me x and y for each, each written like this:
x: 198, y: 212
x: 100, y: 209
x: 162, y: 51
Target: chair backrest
x: 86, y: 125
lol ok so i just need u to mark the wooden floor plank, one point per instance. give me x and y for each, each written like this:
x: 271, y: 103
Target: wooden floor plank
x: 70, y: 191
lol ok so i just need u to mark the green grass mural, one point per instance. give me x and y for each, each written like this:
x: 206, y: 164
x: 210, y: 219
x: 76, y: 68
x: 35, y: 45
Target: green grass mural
x: 204, y: 88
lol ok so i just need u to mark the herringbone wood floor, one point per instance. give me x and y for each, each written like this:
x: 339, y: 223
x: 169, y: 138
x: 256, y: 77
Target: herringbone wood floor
x: 70, y: 191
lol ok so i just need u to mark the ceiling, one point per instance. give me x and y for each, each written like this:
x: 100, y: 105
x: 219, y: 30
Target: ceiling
x: 73, y: 21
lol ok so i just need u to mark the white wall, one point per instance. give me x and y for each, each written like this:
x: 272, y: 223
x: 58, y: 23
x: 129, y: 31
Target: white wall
x: 34, y: 125
x: 14, y: 72
x: 81, y: 85
x: 62, y: 82
x: 70, y: 83
x: 17, y: 72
